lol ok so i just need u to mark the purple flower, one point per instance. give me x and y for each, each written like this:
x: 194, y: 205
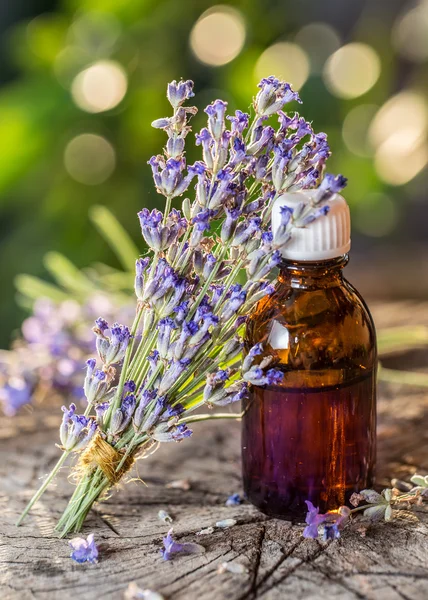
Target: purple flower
x: 172, y: 373
x: 216, y: 112
x: 177, y: 93
x: 168, y: 175
x: 96, y: 383
x: 146, y: 397
x: 274, y: 377
x: 333, y: 522
x: 314, y: 215
x: 215, y: 384
x: 234, y: 393
x: 256, y: 350
x: 172, y: 547
x: 329, y: 186
x: 165, y: 327
x: 122, y: 416
x: 84, y: 550
x: 313, y: 519
x: 153, y: 418
x: 100, y: 410
x: 246, y: 230
x: 119, y: 341
x: 234, y: 500
x: 257, y: 375
x: 157, y: 236
x: 262, y: 141
x: 174, y: 411
x: 239, y: 122
x: 222, y: 189
x: 164, y: 433
x: 273, y: 95
x: 181, y: 311
x: 140, y: 266
x: 101, y: 324
x: 129, y: 387
x: 14, y: 394
x: 75, y: 430
x: 282, y: 157
x: 202, y: 220
x: 206, y: 140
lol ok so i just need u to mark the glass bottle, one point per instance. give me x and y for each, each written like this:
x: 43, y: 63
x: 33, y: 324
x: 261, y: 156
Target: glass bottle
x: 313, y: 437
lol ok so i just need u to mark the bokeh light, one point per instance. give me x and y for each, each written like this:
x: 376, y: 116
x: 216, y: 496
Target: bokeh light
x: 410, y: 33
x: 377, y: 216
x: 100, y: 87
x: 355, y: 127
x: 284, y: 60
x: 352, y: 70
x: 319, y: 40
x: 398, y: 164
x: 218, y: 36
x: 89, y: 159
x: 403, y: 118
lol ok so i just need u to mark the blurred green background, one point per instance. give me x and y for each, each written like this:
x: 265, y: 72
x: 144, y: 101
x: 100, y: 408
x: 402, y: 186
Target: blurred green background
x: 81, y: 81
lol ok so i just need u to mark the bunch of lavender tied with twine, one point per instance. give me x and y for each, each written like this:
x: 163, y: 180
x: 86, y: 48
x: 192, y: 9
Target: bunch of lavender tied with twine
x: 183, y: 350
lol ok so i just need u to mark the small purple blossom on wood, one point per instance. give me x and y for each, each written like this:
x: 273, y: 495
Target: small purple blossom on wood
x: 234, y: 500
x: 84, y: 550
x: 171, y: 547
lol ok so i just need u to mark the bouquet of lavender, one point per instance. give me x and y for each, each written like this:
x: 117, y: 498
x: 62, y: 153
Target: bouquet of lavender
x: 208, y: 266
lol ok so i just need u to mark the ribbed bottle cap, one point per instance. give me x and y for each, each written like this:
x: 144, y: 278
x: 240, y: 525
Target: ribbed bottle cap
x: 329, y: 236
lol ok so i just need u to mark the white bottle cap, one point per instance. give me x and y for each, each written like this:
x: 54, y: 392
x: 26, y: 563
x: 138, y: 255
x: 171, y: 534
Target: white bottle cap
x: 329, y: 236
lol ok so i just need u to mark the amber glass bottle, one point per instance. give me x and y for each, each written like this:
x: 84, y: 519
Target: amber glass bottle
x: 313, y: 436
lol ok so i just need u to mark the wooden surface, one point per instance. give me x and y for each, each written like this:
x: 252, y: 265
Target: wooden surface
x: 389, y: 563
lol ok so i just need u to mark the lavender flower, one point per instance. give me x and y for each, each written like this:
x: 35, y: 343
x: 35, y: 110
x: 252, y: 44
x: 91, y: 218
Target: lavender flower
x: 76, y: 430
x: 177, y: 93
x: 239, y: 122
x: 96, y: 383
x: 176, y: 433
x: 169, y: 176
x: 234, y: 500
x: 332, y: 522
x: 273, y: 95
x: 171, y: 547
x: 84, y: 550
x: 122, y: 416
x: 216, y: 113
x: 160, y: 237
x: 111, y: 349
x: 330, y: 185
x: 14, y: 394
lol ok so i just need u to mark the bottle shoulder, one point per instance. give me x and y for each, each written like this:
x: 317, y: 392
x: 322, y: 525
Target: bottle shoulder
x: 317, y: 329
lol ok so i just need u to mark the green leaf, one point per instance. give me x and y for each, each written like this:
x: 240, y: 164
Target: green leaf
x: 420, y: 480
x: 33, y: 288
x: 387, y: 494
x: 115, y: 235
x: 388, y: 513
x: 376, y: 513
x: 67, y: 274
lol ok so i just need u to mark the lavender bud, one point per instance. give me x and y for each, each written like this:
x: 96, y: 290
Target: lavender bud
x: 216, y: 113
x: 177, y: 93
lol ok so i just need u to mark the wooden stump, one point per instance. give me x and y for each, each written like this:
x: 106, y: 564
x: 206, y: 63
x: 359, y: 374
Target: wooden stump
x: 389, y: 563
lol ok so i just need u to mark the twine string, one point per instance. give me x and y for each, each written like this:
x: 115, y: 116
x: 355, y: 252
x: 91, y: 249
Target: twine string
x: 101, y: 454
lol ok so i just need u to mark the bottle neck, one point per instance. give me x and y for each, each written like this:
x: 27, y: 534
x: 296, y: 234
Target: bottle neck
x: 312, y: 275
